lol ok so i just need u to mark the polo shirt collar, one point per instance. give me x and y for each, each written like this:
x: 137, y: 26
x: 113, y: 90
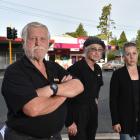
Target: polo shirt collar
x: 28, y: 63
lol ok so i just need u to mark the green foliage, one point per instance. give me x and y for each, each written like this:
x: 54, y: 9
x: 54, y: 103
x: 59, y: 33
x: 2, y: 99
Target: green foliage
x: 138, y: 40
x: 80, y: 32
x: 73, y: 34
x: 110, y: 55
x: 139, y: 59
x: 102, y: 36
x: 114, y: 42
x: 138, y: 44
x: 105, y: 22
x: 122, y: 39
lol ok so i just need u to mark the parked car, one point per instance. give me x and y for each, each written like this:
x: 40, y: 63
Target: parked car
x: 112, y: 65
x: 101, y: 62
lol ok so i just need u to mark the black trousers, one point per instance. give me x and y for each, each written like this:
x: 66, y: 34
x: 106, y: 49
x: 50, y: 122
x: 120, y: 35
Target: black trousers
x: 86, y: 119
x: 11, y: 134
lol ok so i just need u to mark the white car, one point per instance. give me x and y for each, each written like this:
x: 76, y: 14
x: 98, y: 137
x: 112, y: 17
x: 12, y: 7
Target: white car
x: 112, y: 65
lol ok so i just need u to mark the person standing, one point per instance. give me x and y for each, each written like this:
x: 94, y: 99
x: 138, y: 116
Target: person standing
x: 82, y: 118
x: 125, y: 96
x: 35, y: 90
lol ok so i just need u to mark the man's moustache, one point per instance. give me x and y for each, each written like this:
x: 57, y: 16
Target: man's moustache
x: 38, y: 47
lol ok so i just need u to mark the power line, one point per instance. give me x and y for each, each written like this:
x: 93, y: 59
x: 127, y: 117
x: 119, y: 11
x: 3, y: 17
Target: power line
x: 44, y: 16
x: 57, y: 16
x: 47, y: 11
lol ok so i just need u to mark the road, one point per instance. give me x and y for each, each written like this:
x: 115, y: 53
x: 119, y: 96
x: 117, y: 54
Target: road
x: 104, y: 120
x: 104, y: 115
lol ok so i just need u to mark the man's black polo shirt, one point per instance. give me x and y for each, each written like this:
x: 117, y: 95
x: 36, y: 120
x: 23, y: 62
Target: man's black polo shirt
x: 19, y: 86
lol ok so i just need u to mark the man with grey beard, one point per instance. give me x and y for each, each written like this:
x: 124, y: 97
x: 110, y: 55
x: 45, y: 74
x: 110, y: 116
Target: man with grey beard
x: 36, y: 90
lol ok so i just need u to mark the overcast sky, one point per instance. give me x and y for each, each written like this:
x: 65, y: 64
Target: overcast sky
x: 63, y: 16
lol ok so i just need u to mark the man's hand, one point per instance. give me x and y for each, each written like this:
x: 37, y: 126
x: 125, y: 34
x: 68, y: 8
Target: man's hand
x: 117, y: 128
x: 72, y: 129
x: 66, y: 78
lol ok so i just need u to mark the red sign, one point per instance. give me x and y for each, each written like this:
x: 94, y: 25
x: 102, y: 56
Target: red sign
x: 66, y: 46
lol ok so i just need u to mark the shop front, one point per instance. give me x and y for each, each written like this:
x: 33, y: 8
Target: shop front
x: 8, y: 54
x: 65, y: 56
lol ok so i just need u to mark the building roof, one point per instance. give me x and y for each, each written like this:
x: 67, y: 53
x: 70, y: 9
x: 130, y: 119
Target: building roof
x: 5, y: 40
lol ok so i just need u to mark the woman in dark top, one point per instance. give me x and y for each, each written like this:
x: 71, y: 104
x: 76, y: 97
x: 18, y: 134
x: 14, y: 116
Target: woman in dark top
x: 125, y: 96
x: 82, y: 118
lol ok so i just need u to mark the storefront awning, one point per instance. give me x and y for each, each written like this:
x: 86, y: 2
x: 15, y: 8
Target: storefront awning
x: 66, y: 46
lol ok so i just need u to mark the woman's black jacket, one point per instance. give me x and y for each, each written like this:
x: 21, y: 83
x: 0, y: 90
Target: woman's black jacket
x: 122, y: 101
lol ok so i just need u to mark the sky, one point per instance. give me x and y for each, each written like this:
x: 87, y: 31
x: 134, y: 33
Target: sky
x: 63, y: 16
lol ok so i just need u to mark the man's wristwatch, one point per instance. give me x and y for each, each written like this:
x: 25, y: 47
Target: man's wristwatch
x: 54, y: 88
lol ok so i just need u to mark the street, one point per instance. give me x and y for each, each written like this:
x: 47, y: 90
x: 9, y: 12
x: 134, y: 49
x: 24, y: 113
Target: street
x: 104, y: 119
x: 104, y: 114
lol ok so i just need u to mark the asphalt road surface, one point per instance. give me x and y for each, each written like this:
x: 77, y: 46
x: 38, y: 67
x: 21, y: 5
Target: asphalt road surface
x: 104, y: 124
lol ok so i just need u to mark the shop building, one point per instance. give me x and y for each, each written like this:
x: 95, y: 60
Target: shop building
x: 64, y: 50
x: 6, y: 53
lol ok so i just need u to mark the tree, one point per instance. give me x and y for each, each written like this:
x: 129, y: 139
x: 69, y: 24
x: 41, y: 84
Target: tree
x: 73, y: 34
x: 114, y: 42
x: 138, y: 44
x: 79, y: 32
x: 122, y: 39
x: 110, y: 56
x: 138, y: 40
x: 106, y: 23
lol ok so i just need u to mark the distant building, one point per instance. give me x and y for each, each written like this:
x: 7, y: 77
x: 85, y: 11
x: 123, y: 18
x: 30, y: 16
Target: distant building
x: 17, y: 51
x: 64, y: 50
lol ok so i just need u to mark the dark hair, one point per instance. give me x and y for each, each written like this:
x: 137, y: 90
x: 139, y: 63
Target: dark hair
x: 93, y: 40
x: 128, y: 44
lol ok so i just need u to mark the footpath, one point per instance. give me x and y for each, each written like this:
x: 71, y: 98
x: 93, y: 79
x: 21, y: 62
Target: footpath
x: 99, y: 136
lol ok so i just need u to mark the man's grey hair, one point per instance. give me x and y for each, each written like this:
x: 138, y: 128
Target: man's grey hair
x: 25, y: 30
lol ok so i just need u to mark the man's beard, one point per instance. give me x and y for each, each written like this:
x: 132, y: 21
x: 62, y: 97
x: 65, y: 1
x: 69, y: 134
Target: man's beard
x: 32, y: 54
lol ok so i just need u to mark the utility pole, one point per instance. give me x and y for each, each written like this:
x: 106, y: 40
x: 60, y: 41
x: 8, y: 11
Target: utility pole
x: 108, y: 37
x: 10, y: 52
